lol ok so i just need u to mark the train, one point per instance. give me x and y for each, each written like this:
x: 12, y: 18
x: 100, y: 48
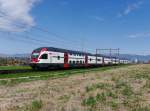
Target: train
x: 51, y: 57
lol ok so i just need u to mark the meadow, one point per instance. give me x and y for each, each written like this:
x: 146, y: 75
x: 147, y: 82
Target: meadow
x: 124, y: 88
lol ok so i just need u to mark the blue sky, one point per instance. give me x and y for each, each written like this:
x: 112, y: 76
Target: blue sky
x: 77, y: 24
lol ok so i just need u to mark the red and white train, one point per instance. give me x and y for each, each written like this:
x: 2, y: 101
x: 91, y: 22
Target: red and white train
x: 50, y: 57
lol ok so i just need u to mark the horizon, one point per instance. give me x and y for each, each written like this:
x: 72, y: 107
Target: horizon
x: 76, y: 25
x: 81, y: 51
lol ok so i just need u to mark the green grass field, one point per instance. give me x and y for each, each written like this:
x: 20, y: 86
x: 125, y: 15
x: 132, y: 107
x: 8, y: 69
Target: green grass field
x: 10, y: 79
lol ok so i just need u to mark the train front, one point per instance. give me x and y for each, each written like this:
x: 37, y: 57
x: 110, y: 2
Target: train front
x: 34, y: 60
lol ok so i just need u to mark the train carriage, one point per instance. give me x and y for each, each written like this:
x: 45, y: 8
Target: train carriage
x: 55, y: 57
x: 50, y: 57
x: 107, y: 60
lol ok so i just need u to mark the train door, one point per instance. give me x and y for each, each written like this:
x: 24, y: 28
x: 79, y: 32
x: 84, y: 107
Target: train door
x: 50, y: 58
x: 66, y: 65
x: 86, y: 60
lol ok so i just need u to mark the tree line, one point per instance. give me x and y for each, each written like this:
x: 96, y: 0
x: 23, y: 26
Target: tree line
x: 7, y: 61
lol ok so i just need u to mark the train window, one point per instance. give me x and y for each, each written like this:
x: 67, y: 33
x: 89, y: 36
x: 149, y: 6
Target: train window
x: 58, y: 57
x: 44, y: 56
x: 80, y: 62
x: 35, y: 55
x: 70, y: 62
x: 98, y: 60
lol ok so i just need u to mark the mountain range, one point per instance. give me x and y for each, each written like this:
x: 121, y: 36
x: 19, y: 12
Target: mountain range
x: 15, y: 55
x: 132, y: 57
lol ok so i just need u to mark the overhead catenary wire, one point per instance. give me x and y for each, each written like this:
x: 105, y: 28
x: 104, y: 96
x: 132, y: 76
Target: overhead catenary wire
x: 28, y: 36
x: 50, y: 39
x: 27, y: 39
x: 60, y: 38
x: 17, y: 37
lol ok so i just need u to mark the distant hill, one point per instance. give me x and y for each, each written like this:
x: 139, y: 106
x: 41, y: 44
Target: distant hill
x: 21, y: 55
x: 15, y: 55
x: 132, y: 57
x: 3, y: 55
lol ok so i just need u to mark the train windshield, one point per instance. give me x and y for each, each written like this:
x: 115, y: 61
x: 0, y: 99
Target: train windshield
x: 35, y: 55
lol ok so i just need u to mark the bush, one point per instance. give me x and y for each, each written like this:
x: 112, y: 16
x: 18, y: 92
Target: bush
x: 91, y: 101
x: 36, y: 105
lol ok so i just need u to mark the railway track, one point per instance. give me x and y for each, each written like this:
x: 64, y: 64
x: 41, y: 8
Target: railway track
x: 16, y: 71
x: 30, y: 70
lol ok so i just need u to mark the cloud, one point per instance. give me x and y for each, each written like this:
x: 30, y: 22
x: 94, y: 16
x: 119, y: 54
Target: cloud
x: 98, y: 18
x: 130, y: 8
x: 139, y: 35
x: 15, y: 14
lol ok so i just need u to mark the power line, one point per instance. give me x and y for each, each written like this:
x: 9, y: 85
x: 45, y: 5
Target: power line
x: 62, y: 40
x: 24, y: 40
x: 42, y: 30
x: 52, y: 33
x: 48, y: 41
x: 28, y: 39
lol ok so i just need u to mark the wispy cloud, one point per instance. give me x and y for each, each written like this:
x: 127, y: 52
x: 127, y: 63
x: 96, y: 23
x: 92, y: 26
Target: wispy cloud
x: 14, y: 12
x: 98, y: 18
x: 130, y: 8
x: 139, y: 35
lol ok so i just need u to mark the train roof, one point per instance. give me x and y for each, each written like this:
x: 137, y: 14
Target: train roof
x: 62, y: 50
